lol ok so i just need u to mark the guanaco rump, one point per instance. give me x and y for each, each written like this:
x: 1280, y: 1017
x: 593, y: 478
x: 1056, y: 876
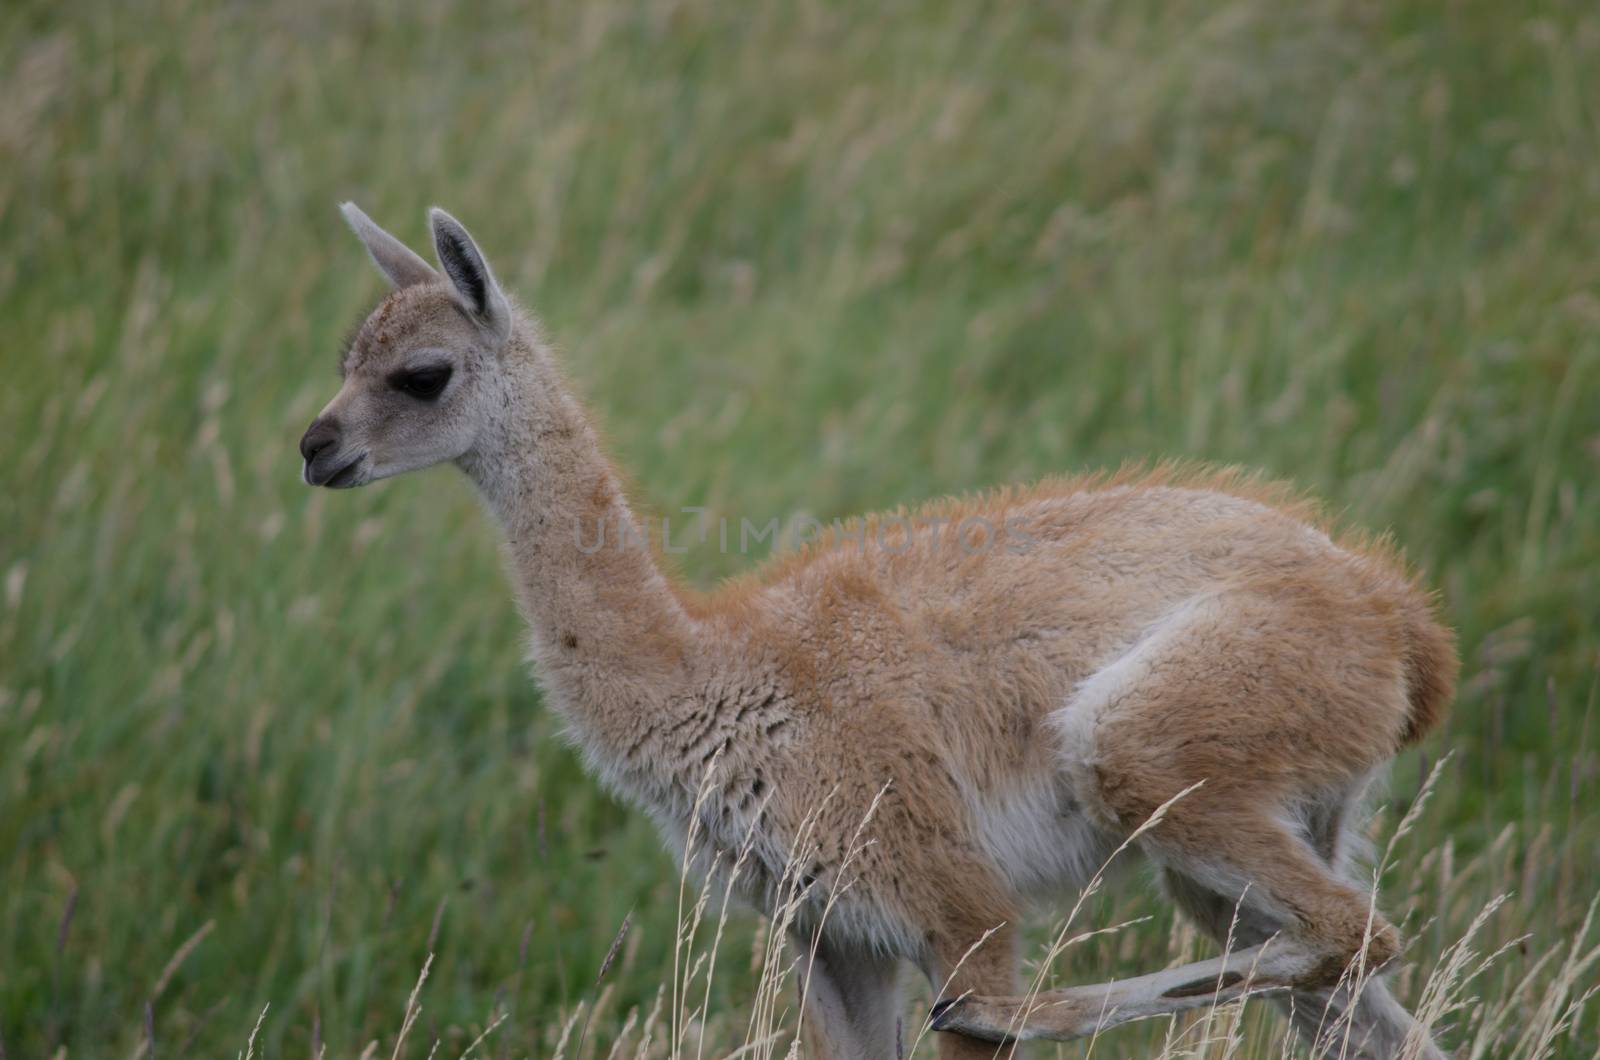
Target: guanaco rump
x: 1002, y: 714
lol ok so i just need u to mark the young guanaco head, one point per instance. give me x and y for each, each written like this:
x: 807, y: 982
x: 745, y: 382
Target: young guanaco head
x: 424, y: 374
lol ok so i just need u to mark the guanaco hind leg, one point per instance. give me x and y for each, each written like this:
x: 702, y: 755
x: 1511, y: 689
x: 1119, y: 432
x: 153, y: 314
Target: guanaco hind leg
x: 1329, y: 928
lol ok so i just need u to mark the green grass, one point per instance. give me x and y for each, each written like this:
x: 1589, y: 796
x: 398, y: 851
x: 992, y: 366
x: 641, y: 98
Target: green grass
x: 807, y: 257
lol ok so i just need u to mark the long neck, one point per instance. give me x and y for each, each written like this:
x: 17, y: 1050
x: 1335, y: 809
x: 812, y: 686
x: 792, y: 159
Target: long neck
x: 609, y: 632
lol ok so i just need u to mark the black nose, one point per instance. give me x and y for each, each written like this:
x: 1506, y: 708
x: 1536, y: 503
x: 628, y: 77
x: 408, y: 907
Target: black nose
x: 321, y: 434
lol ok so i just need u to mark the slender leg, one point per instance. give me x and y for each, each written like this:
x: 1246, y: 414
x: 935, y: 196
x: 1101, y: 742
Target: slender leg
x: 1271, y: 873
x: 1375, y: 1027
x: 1080, y: 1011
x: 964, y: 966
x: 851, y: 999
x: 1323, y: 1018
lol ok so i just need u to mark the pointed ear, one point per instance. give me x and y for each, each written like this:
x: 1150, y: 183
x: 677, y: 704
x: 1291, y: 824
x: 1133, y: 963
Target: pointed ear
x: 394, y: 259
x: 469, y: 274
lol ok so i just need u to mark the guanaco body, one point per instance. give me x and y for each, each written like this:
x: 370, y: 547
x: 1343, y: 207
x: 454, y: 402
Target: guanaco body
x: 1018, y: 705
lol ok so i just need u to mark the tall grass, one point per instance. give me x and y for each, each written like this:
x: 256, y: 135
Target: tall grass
x: 1537, y: 1010
x: 260, y: 745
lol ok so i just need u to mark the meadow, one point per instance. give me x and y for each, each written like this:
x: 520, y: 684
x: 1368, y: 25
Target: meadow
x: 265, y: 749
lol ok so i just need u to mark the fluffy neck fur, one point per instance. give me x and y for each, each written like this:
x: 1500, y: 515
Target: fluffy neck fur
x: 609, y: 633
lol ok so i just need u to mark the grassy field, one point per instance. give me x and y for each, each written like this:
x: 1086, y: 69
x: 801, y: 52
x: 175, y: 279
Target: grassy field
x: 261, y: 745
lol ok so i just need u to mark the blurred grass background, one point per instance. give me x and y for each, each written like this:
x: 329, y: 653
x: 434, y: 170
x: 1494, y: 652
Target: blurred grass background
x: 804, y: 257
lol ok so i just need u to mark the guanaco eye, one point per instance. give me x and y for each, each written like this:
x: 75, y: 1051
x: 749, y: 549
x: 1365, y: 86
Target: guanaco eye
x: 424, y: 383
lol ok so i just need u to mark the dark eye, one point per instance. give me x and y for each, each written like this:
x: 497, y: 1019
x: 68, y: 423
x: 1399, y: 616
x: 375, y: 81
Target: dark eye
x: 424, y: 383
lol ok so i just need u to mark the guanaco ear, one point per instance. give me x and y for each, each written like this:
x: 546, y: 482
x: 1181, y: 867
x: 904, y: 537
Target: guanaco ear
x: 474, y: 284
x: 394, y: 259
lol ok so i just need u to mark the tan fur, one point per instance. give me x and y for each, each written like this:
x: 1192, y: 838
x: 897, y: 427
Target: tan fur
x: 1020, y: 706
